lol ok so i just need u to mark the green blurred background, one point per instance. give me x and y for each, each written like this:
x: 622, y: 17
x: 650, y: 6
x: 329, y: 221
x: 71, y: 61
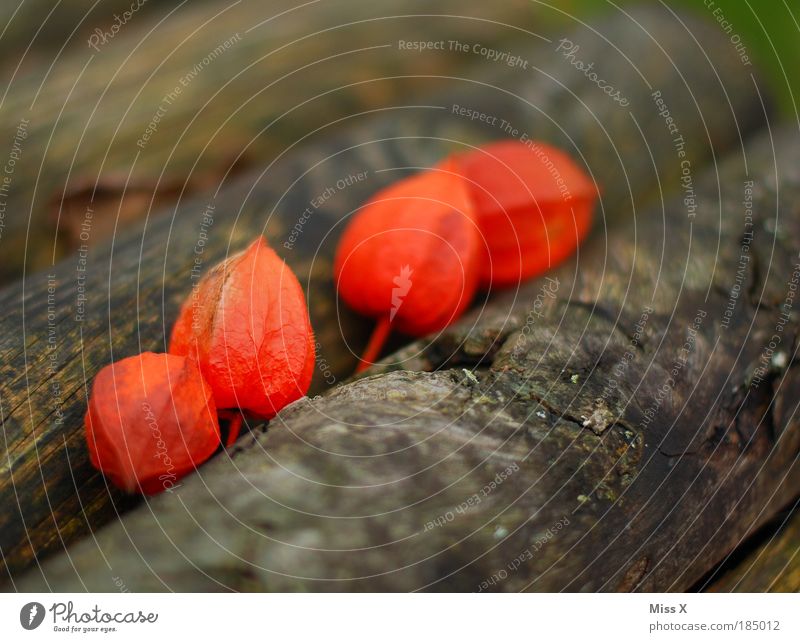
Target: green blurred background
x: 769, y: 30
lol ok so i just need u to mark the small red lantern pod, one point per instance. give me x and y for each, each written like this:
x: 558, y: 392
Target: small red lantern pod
x: 534, y: 206
x: 409, y: 257
x: 151, y: 420
x: 247, y: 326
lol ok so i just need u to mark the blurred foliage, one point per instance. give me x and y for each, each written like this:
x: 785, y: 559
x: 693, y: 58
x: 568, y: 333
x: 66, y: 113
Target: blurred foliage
x: 36, y: 30
x: 769, y: 31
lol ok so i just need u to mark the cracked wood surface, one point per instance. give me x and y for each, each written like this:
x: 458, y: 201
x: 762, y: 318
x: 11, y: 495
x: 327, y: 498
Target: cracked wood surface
x: 134, y: 288
x: 483, y: 474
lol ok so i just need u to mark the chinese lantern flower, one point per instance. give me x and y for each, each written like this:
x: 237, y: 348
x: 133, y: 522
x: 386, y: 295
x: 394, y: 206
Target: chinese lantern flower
x: 247, y: 326
x: 533, y: 204
x: 409, y: 258
x: 151, y: 420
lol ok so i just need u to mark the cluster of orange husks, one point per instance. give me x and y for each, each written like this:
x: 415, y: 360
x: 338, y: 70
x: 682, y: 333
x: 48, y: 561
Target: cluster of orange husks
x: 415, y: 254
x: 412, y: 257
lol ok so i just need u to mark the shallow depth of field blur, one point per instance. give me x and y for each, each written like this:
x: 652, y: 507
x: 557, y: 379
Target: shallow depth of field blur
x: 39, y: 36
x: 151, y: 149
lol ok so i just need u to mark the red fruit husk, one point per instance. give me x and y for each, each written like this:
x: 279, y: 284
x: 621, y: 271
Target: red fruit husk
x: 410, y: 256
x: 151, y: 420
x: 247, y: 325
x: 533, y: 204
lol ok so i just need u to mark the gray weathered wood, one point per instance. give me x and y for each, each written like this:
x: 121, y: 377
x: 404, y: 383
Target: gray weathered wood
x: 637, y: 485
x: 133, y: 288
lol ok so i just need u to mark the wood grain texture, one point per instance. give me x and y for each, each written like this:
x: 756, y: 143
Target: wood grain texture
x: 516, y: 465
x: 51, y: 347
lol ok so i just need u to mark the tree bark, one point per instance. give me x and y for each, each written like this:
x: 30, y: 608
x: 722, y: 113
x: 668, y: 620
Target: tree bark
x: 52, y: 344
x: 627, y: 439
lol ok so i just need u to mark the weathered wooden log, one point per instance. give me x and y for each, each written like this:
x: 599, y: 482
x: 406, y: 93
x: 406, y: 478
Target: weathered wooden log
x: 620, y: 426
x: 773, y: 566
x: 111, y: 302
x: 180, y: 98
